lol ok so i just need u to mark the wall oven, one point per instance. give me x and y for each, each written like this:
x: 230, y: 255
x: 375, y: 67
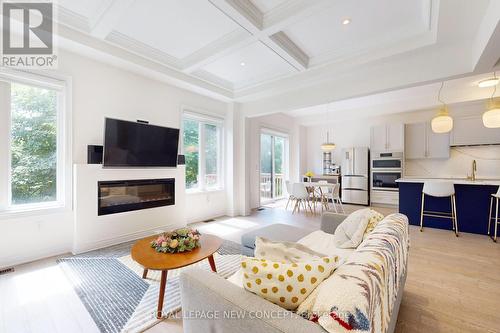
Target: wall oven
x: 387, y: 161
x: 386, y: 168
x: 385, y: 180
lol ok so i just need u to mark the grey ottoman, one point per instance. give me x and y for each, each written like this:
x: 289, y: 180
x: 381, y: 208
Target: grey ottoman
x: 274, y: 232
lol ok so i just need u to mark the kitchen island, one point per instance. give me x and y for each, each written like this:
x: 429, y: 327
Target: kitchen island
x: 472, y: 198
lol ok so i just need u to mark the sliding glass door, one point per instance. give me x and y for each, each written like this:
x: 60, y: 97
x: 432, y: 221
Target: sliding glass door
x: 273, y: 166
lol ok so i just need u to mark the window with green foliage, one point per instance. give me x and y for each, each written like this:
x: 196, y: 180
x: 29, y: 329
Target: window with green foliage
x: 30, y: 169
x: 202, y: 145
x: 33, y: 143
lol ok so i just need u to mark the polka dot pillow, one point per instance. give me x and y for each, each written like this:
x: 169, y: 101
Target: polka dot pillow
x: 375, y: 218
x: 285, y: 284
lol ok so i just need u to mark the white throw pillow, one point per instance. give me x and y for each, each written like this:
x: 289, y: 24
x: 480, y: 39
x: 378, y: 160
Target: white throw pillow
x: 349, y: 234
x: 323, y: 242
x: 288, y: 252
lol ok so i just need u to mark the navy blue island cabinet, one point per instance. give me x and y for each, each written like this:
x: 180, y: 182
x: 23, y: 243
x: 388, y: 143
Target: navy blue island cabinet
x: 473, y: 206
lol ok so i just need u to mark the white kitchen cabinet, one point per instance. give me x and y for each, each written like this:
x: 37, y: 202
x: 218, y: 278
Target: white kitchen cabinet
x: 471, y: 131
x: 422, y: 142
x: 388, y: 137
x: 415, y: 140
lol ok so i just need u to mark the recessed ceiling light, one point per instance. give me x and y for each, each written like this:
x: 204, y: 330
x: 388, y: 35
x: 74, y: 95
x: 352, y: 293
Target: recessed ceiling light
x: 488, y: 82
x: 346, y: 21
x: 242, y: 63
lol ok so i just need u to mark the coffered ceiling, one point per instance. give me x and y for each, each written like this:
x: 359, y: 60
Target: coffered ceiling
x: 251, y: 49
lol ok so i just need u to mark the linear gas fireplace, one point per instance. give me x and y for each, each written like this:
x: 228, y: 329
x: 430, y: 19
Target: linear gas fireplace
x: 127, y: 195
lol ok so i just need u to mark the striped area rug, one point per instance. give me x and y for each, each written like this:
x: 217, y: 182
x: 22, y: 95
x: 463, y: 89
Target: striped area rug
x: 110, y: 285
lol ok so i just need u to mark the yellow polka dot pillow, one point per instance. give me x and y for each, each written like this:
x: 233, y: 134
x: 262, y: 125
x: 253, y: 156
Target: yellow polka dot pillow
x: 374, y: 218
x: 285, y: 284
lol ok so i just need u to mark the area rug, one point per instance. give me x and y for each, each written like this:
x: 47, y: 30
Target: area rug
x: 110, y: 285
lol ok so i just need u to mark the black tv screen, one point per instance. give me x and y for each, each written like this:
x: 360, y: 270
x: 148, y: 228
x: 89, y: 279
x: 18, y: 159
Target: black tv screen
x: 131, y: 144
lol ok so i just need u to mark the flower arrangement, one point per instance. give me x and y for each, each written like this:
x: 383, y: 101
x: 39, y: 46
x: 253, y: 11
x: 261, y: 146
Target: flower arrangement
x: 309, y: 174
x: 180, y: 240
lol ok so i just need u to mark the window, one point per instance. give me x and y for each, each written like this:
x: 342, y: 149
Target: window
x: 31, y: 169
x: 202, y: 145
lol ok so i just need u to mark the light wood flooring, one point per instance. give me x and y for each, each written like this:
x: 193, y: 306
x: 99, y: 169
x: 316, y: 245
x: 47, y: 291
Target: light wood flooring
x: 453, y: 283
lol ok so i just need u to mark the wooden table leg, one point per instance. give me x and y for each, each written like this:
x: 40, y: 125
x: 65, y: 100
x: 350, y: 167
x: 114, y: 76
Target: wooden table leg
x: 212, y: 263
x: 163, y: 283
x: 145, y: 273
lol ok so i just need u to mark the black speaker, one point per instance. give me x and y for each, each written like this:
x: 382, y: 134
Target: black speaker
x: 94, y: 154
x: 181, y: 160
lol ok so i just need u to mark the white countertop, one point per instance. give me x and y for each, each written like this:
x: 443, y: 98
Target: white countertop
x: 461, y: 181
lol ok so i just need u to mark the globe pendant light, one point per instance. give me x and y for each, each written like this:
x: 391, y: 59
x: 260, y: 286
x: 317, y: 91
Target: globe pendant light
x: 327, y: 146
x: 491, y: 118
x: 442, y: 122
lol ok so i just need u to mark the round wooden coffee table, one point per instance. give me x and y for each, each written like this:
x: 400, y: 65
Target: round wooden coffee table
x: 147, y: 257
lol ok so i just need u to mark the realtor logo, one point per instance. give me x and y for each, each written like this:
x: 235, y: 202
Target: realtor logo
x: 28, y: 35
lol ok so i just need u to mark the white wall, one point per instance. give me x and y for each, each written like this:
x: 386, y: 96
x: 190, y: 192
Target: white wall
x: 280, y: 123
x: 357, y: 133
x: 99, y: 90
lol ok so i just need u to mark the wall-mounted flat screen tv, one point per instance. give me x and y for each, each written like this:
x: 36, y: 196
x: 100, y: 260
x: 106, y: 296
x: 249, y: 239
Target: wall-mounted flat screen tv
x: 135, y: 144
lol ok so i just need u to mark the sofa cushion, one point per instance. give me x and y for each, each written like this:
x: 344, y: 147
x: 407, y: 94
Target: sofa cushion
x: 289, y: 252
x: 349, y: 234
x: 360, y: 294
x: 285, y: 284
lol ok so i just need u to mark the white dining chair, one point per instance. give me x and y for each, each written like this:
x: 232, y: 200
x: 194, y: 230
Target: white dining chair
x: 324, y: 192
x: 288, y: 186
x: 494, y: 197
x: 301, y: 197
x: 336, y: 198
x: 439, y: 189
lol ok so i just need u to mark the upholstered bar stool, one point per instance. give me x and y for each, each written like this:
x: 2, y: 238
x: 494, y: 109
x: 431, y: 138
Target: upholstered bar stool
x: 440, y: 189
x: 494, y: 197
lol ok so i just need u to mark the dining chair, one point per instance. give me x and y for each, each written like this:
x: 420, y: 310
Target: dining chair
x: 336, y: 198
x: 301, y: 196
x: 288, y: 186
x: 324, y: 192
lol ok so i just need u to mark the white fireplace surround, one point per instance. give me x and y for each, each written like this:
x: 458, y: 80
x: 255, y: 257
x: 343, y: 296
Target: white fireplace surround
x: 92, y: 231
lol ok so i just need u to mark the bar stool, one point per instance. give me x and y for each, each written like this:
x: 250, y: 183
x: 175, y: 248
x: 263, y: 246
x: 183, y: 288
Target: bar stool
x: 440, y: 189
x: 493, y: 197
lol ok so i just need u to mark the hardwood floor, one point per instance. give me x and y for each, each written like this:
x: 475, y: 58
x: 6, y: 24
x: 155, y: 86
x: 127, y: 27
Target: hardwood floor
x: 453, y: 283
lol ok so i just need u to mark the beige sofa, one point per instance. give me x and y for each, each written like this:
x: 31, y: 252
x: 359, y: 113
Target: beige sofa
x: 212, y: 304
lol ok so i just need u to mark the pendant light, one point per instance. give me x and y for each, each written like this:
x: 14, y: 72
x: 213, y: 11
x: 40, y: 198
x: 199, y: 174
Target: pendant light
x: 327, y: 146
x: 490, y: 82
x: 442, y: 122
x: 491, y: 118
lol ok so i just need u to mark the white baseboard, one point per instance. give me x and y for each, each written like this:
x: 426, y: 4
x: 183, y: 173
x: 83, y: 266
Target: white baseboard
x: 96, y: 245
x: 207, y: 217
x: 19, y: 259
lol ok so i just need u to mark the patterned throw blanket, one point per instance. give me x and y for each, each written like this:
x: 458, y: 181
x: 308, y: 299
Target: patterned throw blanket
x: 360, y: 295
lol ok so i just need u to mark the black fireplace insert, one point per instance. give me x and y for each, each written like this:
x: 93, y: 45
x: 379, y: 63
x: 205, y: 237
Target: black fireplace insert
x: 126, y: 195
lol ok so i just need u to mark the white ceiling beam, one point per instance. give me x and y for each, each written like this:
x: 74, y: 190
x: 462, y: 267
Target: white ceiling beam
x: 105, y: 21
x: 487, y: 45
x: 221, y: 47
x: 248, y: 16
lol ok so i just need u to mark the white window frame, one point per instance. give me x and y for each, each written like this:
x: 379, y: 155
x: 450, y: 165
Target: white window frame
x: 63, y: 86
x: 205, y: 117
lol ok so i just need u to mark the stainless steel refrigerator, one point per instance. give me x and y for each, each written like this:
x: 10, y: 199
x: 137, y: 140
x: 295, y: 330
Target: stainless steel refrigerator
x: 355, y: 173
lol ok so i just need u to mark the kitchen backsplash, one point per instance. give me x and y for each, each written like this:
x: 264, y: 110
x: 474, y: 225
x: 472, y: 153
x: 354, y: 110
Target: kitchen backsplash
x: 459, y: 165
